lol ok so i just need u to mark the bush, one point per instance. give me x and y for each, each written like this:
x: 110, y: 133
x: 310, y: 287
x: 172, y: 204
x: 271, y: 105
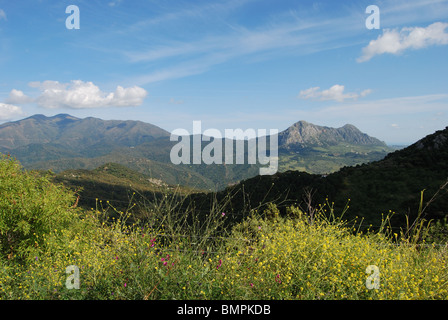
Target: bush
x: 303, y: 255
x: 324, y: 258
x: 30, y: 207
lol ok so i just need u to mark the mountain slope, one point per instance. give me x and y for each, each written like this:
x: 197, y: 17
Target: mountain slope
x: 76, y: 134
x: 115, y: 183
x: 64, y: 142
x: 321, y: 150
x: 305, y: 134
x: 394, y: 184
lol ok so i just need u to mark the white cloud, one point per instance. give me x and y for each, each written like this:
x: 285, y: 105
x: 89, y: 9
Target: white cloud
x: 79, y: 95
x: 18, y: 97
x: 336, y: 93
x: 395, y: 42
x: 2, y: 15
x: 9, y: 111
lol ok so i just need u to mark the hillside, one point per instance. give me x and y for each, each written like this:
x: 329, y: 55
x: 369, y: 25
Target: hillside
x: 393, y: 183
x: 41, y: 138
x: 115, y: 184
x: 64, y: 142
x: 45, y: 236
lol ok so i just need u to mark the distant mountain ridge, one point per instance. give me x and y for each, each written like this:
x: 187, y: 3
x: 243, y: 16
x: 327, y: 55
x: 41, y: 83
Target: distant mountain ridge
x: 76, y: 132
x: 303, y: 133
x: 64, y: 142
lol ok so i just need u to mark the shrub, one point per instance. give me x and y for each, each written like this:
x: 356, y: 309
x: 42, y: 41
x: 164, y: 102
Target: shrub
x: 266, y: 256
x: 295, y: 258
x: 30, y: 207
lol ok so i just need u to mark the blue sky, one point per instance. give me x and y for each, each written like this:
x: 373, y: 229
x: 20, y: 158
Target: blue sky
x: 260, y: 64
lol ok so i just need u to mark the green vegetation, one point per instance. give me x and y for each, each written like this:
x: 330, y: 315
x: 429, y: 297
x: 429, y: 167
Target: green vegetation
x: 320, y: 160
x: 176, y: 251
x: 64, y: 142
x: 30, y: 208
x: 391, y: 186
x: 115, y: 183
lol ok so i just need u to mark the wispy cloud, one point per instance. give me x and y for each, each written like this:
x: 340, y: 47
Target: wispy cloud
x: 396, y: 42
x: 79, y: 95
x: 335, y: 93
x: 3, y: 15
x: 114, y: 3
x: 400, y: 106
x: 188, y: 40
x: 198, y: 56
x: 174, y: 101
x: 411, y: 12
x: 207, y: 11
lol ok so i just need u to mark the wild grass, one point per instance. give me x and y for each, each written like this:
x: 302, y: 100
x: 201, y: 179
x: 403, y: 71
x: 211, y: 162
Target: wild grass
x: 176, y: 252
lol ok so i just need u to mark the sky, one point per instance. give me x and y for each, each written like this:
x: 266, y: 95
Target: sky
x: 259, y: 64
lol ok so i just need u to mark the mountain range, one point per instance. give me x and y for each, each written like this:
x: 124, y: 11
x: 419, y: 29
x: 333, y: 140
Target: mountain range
x: 402, y: 184
x: 337, y: 166
x: 63, y: 142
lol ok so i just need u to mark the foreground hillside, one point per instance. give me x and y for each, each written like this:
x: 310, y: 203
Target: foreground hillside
x: 51, y: 249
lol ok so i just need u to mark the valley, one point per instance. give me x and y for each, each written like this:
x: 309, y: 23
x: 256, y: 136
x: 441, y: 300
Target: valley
x: 64, y: 142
